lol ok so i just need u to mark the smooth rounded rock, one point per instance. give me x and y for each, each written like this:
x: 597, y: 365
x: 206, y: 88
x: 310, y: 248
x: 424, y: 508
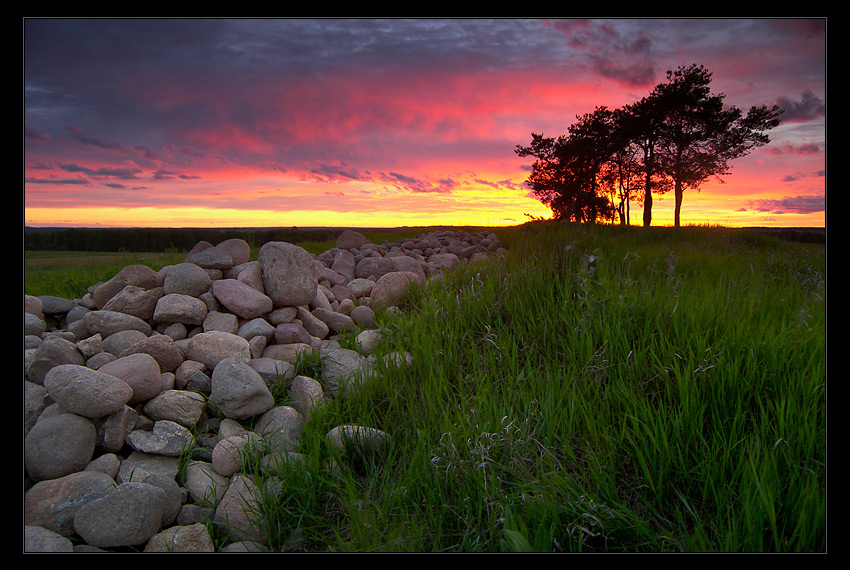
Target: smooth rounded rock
x: 86, y: 392
x: 341, y: 370
x: 351, y: 239
x: 140, y: 371
x: 54, y: 503
x: 36, y: 399
x: 231, y: 453
x: 363, y: 316
x: 241, y: 299
x: 38, y: 539
x: 121, y: 341
x: 238, y: 390
x: 58, y: 446
x: 186, y: 279
x: 306, y: 394
x: 238, y: 249
x: 109, y: 322
x: 162, y: 348
x: 33, y: 324
x: 204, y: 484
x: 357, y: 441
x: 211, y: 258
x: 335, y: 321
x: 180, y: 406
x: 237, y: 514
x: 289, y: 333
x: 391, y: 287
x: 192, y: 538
x: 129, y: 516
x: 52, y: 352
x: 256, y: 327
x: 281, y: 428
x: 177, y: 308
x: 222, y: 322
x: 290, y: 278
x: 212, y: 347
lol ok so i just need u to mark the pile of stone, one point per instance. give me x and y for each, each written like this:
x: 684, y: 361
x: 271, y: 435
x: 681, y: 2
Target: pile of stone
x: 119, y: 384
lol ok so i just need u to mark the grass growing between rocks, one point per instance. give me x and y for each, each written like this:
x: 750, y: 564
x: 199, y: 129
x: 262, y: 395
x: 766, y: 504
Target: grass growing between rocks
x: 596, y: 390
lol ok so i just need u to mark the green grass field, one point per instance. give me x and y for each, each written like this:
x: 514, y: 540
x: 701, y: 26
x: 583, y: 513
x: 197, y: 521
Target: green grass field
x: 597, y: 389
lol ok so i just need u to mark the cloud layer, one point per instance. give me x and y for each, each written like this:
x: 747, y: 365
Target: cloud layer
x: 294, y: 121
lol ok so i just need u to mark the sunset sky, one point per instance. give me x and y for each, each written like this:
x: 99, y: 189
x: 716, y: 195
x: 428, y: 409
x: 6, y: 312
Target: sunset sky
x: 385, y: 122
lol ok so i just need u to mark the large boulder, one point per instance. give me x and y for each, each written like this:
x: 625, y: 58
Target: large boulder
x: 139, y: 275
x: 86, y: 392
x: 238, y: 390
x: 140, y: 371
x: 186, y: 279
x: 238, y: 249
x: 350, y: 239
x: 58, y: 446
x: 241, y: 299
x: 391, y: 287
x: 212, y: 347
x: 128, y: 516
x: 290, y: 277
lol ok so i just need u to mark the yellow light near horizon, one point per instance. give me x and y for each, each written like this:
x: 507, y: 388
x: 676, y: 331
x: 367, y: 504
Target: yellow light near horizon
x: 209, y: 217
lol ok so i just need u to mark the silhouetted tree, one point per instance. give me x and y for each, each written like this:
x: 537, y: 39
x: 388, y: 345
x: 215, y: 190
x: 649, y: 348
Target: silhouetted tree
x: 698, y: 136
x: 621, y: 174
x: 642, y: 124
x: 567, y: 173
x: 675, y: 138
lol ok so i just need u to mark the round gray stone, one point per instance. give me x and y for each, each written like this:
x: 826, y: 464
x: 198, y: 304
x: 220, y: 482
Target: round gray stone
x: 238, y: 390
x: 129, y: 516
x: 290, y: 277
x: 87, y: 392
x: 186, y: 279
x: 58, y: 446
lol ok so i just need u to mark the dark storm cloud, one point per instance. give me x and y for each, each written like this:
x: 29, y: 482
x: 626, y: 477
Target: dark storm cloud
x: 625, y: 58
x: 419, y: 185
x: 94, y: 140
x: 809, y: 107
x: 124, y: 173
x: 126, y: 82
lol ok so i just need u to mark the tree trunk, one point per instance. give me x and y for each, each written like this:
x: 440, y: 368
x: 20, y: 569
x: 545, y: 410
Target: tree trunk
x: 647, y: 191
x: 679, y: 192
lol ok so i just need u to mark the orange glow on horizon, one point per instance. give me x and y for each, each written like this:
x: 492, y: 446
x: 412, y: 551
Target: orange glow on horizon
x: 343, y: 130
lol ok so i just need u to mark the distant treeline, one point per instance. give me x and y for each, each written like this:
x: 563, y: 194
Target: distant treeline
x: 803, y: 235
x: 160, y: 239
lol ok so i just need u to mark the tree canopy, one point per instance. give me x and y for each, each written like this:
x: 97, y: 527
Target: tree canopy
x: 676, y: 138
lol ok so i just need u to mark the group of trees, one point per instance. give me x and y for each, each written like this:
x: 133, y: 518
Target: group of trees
x: 676, y: 138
